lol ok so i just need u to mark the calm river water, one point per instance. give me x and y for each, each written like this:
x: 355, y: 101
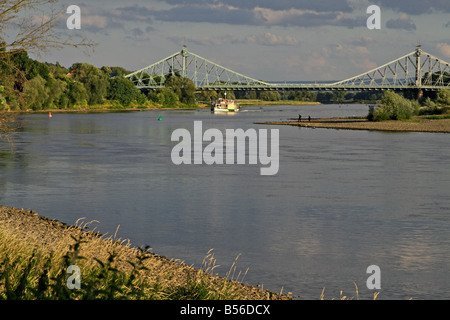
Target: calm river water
x: 341, y: 201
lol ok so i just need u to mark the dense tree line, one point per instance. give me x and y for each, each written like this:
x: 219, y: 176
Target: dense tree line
x: 297, y: 95
x: 29, y: 84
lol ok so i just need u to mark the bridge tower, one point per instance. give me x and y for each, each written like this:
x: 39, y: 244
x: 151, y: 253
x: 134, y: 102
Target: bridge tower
x: 418, y: 54
x: 184, y: 55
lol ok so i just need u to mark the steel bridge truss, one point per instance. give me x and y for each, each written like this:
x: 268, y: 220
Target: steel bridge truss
x: 416, y: 70
x: 205, y: 74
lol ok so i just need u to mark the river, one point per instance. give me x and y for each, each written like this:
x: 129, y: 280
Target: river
x: 341, y: 201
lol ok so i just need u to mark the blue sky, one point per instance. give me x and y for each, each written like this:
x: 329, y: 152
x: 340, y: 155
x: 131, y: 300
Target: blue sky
x: 264, y: 39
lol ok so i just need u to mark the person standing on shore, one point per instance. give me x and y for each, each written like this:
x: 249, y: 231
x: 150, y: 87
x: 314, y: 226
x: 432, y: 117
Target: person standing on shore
x: 299, y: 118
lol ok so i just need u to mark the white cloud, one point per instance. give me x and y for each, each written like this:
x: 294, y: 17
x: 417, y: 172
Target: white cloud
x: 269, y: 39
x: 264, y: 39
x: 444, y: 48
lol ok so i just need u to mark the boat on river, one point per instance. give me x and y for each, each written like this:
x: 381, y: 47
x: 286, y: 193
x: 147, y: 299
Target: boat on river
x: 224, y: 105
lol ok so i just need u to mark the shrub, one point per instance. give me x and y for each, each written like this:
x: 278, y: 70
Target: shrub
x: 430, y: 107
x: 443, y: 97
x: 394, y: 107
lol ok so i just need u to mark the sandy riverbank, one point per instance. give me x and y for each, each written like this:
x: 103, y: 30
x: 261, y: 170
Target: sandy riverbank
x: 47, y: 235
x: 417, y: 124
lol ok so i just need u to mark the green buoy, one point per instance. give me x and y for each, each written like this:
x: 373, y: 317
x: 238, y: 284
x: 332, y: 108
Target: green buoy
x: 159, y: 119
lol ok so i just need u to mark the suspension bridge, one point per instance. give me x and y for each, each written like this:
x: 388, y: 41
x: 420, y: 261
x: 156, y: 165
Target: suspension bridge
x: 417, y: 70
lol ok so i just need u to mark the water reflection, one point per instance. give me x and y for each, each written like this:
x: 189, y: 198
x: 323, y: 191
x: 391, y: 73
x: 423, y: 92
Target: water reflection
x: 342, y: 200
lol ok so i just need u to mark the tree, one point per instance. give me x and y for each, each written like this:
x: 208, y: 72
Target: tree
x: 207, y: 96
x: 443, y: 97
x: 19, y: 19
x: 184, y: 88
x: 168, y: 98
x: 35, y: 93
x: 124, y: 91
x: 2, y: 98
x: 55, y: 89
x: 76, y: 93
x: 270, y: 96
x: 394, y: 107
x: 95, y: 81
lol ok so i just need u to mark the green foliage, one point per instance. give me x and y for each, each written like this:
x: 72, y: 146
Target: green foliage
x: 270, y: 96
x: 207, y: 95
x: 94, y: 80
x: 430, y: 107
x: 55, y: 89
x: 443, y: 97
x: 167, y: 98
x: 394, y: 107
x: 43, y: 276
x: 124, y: 91
x: 29, y: 84
x: 35, y: 93
x: 2, y: 98
x: 31, y: 68
x: 76, y: 93
x: 183, y: 88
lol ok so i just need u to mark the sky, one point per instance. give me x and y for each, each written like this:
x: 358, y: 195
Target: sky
x: 282, y: 40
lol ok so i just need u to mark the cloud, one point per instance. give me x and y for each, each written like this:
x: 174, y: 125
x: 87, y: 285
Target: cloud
x: 269, y: 39
x: 444, y: 48
x: 133, y: 13
x: 263, y: 13
x: 264, y: 39
x: 102, y: 19
x: 138, y: 35
x: 415, y: 7
x: 404, y: 23
x: 319, y: 6
x: 95, y: 19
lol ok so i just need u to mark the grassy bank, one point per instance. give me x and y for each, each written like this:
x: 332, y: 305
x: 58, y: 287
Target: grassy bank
x: 108, y: 107
x: 416, y: 124
x: 36, y: 252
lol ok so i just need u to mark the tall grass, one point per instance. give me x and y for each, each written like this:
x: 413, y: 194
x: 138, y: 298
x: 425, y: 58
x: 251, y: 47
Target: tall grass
x: 110, y: 269
x: 29, y: 273
x: 342, y: 296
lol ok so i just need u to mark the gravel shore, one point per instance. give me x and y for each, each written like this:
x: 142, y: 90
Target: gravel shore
x: 417, y: 124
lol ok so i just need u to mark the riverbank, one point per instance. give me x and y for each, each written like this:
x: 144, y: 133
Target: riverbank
x: 50, y: 246
x: 107, y: 107
x: 257, y: 102
x: 102, y: 108
x: 416, y: 124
